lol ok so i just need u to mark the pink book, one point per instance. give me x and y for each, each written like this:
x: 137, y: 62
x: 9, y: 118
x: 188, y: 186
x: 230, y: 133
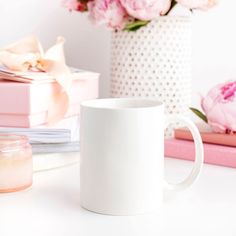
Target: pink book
x: 207, y: 136
x: 214, y: 154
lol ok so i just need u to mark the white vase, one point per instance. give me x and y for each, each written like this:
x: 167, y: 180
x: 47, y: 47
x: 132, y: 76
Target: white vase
x: 154, y: 62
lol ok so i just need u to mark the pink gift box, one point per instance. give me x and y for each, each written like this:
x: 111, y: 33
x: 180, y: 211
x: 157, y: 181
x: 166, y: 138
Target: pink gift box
x: 26, y: 105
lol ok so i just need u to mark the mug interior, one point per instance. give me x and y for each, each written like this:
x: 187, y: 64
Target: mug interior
x: 122, y: 103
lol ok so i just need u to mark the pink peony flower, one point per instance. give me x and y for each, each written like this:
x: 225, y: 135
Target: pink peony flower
x: 198, y: 4
x: 75, y: 5
x: 146, y: 9
x: 220, y: 107
x: 108, y: 12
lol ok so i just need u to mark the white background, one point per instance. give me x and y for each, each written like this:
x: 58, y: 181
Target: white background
x: 214, y: 39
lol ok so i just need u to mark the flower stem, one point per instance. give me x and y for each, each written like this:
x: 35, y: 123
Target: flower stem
x: 173, y: 3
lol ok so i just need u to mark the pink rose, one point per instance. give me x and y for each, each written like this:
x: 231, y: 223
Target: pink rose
x: 108, y: 12
x: 146, y: 9
x: 198, y: 4
x: 220, y: 107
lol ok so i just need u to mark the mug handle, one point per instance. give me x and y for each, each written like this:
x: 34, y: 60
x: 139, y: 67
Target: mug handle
x: 199, y: 154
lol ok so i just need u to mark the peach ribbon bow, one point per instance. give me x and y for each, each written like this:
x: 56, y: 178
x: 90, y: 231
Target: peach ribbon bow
x: 28, y: 55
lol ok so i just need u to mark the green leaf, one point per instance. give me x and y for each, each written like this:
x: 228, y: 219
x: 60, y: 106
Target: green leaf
x: 199, y: 114
x: 133, y: 26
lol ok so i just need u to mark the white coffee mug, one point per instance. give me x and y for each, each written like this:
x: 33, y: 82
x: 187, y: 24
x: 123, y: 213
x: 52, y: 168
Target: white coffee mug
x: 122, y: 155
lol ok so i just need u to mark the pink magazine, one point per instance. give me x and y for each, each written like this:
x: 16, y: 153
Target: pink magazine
x: 214, y: 154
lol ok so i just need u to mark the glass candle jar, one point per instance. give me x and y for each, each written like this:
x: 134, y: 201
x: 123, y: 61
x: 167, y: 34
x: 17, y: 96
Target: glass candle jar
x: 16, y: 167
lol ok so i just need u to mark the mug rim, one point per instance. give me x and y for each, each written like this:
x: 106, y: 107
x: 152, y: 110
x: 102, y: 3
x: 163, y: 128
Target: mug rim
x: 122, y: 103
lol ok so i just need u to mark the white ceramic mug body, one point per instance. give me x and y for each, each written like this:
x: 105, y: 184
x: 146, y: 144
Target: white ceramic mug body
x: 122, y: 155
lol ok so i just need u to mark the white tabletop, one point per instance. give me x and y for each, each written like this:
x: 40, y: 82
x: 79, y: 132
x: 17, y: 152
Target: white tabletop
x: 51, y: 207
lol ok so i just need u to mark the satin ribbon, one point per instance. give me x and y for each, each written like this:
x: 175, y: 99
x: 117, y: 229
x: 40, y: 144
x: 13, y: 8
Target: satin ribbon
x: 28, y: 55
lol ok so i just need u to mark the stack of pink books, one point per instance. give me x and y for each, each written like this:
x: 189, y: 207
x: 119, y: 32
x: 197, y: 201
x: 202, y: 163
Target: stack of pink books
x: 219, y: 149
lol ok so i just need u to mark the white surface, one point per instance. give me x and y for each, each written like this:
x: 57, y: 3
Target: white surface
x: 88, y: 46
x: 50, y: 161
x: 51, y: 207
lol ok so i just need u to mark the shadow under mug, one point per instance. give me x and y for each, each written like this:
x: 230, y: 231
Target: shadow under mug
x: 122, y: 155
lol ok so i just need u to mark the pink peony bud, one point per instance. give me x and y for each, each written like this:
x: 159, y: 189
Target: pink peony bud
x: 146, y: 9
x: 220, y: 107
